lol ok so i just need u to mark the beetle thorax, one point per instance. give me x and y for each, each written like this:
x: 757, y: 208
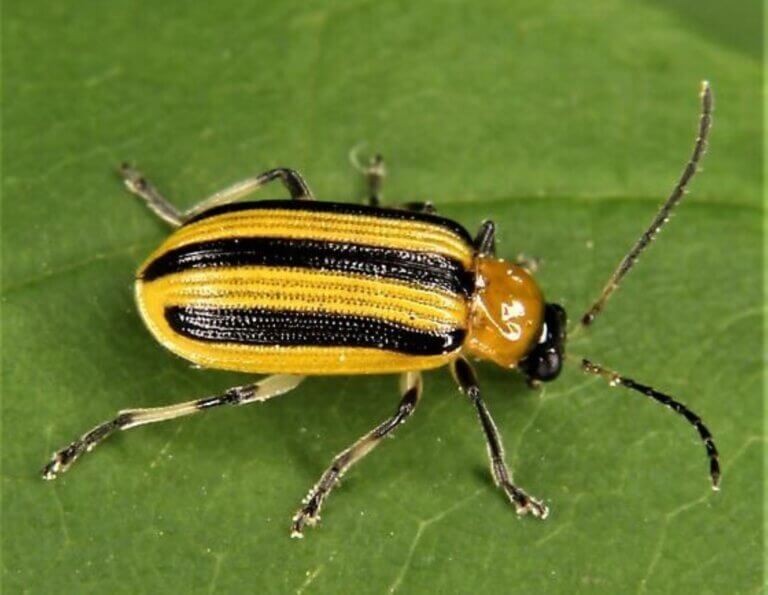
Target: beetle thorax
x: 507, y: 312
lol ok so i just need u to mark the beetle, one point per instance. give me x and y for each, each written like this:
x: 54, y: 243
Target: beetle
x: 301, y: 287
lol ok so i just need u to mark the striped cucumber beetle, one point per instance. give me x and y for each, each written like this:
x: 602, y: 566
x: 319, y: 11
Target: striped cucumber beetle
x: 301, y: 287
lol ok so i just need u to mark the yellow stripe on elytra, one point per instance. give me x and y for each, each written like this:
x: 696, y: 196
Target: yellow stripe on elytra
x: 265, y: 359
x: 332, y: 227
x: 307, y: 291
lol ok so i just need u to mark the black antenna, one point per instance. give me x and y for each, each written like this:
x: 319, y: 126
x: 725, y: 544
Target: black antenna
x: 615, y: 379
x: 700, y: 146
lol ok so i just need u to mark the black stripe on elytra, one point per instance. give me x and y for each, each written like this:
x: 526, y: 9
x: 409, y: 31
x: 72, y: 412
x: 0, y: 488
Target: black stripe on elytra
x: 339, y: 208
x: 287, y: 328
x: 423, y: 268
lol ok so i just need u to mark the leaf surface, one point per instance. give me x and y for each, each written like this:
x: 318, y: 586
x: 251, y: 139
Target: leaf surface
x: 567, y: 126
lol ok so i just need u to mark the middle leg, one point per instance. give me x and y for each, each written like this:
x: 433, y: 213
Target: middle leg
x: 309, y: 514
x: 374, y: 174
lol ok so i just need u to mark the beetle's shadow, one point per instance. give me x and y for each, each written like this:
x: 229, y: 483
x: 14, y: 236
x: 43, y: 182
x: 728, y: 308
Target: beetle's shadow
x: 325, y: 416
x: 736, y: 25
x: 482, y: 476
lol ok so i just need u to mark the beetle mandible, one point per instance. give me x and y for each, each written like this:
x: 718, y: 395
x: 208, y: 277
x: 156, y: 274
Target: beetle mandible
x: 302, y: 287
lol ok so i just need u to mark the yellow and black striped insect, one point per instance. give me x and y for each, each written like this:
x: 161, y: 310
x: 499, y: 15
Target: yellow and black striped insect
x: 301, y: 287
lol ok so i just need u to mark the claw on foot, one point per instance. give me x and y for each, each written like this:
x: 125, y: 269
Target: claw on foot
x: 525, y: 504
x: 304, y: 518
x: 132, y: 179
x: 536, y: 508
x: 54, y: 467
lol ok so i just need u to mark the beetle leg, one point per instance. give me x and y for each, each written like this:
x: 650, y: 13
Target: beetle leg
x: 465, y: 376
x: 374, y: 174
x: 267, y: 388
x: 422, y: 206
x: 138, y: 185
x: 530, y: 263
x: 309, y: 514
x: 485, y: 240
x: 290, y: 178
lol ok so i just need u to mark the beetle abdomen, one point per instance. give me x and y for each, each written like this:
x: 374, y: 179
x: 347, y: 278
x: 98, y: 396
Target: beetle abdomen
x: 310, y: 287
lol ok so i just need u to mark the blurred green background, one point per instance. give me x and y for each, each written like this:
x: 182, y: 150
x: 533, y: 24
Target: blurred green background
x: 565, y: 123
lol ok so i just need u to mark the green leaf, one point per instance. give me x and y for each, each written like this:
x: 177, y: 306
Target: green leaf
x: 567, y: 125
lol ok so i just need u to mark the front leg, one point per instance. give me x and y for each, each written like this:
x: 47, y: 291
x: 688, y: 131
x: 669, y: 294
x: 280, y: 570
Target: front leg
x: 485, y: 240
x: 465, y: 377
x: 309, y: 514
x: 530, y: 263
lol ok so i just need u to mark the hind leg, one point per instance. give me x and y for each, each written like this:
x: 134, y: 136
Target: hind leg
x: 137, y: 184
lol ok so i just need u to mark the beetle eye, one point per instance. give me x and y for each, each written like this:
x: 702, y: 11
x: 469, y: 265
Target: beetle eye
x: 548, y: 365
x: 545, y: 360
